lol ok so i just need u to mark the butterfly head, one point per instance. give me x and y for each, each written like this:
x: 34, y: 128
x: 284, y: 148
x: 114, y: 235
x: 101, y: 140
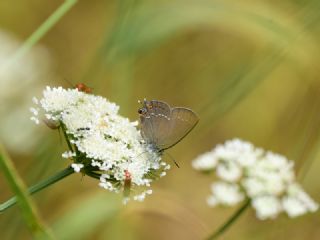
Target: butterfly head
x: 146, y: 106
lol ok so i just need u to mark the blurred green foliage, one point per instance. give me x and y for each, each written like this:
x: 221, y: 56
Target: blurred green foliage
x: 248, y: 68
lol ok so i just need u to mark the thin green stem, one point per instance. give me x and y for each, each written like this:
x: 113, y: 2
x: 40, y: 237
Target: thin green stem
x: 41, y: 31
x: 93, y: 174
x: 28, y: 209
x: 230, y: 221
x: 66, y: 136
x: 38, y: 187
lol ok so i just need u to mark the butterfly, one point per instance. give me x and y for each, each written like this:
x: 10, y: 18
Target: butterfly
x: 163, y: 126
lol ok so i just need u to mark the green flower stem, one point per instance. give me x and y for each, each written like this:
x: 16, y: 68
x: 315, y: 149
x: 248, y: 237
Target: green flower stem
x: 39, y: 186
x: 63, y: 128
x: 230, y: 221
x: 28, y: 209
x: 93, y: 174
x: 42, y: 30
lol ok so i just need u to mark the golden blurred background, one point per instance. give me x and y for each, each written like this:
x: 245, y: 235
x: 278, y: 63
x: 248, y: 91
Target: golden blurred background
x: 248, y: 68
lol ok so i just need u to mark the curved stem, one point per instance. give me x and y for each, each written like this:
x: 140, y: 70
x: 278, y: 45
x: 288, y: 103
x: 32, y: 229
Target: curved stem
x: 230, y: 221
x: 39, y: 186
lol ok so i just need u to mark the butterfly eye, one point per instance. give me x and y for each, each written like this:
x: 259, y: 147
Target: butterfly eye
x: 142, y: 111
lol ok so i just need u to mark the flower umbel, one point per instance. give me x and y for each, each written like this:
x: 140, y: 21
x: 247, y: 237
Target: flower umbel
x: 266, y: 178
x: 102, y: 144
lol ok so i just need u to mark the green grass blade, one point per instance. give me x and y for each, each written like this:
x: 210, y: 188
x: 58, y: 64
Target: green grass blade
x: 28, y: 209
x: 39, y: 186
x: 150, y: 25
x: 41, y: 31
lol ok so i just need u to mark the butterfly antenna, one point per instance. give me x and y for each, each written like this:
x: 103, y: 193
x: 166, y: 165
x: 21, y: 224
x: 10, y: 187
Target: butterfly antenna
x: 141, y: 153
x: 173, y: 160
x: 70, y: 83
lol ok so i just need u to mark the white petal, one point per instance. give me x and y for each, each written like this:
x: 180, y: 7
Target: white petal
x: 230, y: 172
x: 293, y: 207
x: 267, y: 207
x: 226, y: 193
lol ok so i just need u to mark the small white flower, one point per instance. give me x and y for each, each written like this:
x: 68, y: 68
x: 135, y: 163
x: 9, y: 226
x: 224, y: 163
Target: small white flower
x: 104, y: 177
x: 237, y: 150
x: 35, y: 100
x: 254, y: 187
x: 48, y: 116
x: 34, y: 119
x: 149, y: 191
x: 226, y: 193
x: 167, y: 167
x: 142, y: 196
x: 106, y: 185
x: 77, y: 166
x: 267, y: 207
x: 206, y: 161
x: 293, y: 207
x: 56, y: 100
x: 34, y: 111
x: 296, y: 191
x: 139, y: 197
x: 281, y: 165
x: 229, y: 171
x: 95, y: 163
x: 68, y: 154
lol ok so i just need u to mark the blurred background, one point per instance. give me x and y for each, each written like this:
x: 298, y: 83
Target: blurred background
x: 250, y: 69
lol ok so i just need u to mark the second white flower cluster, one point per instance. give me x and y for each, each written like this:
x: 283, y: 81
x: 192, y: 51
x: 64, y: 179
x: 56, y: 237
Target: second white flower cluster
x: 263, y: 177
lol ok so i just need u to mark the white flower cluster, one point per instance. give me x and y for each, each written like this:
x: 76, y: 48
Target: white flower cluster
x: 266, y: 178
x: 103, y: 144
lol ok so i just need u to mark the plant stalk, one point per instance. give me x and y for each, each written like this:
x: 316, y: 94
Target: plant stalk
x: 38, y: 187
x: 230, y: 221
x: 27, y: 207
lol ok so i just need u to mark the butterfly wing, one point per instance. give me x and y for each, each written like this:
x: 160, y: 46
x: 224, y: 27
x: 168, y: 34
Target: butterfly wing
x: 155, y: 122
x: 146, y: 127
x: 182, y: 121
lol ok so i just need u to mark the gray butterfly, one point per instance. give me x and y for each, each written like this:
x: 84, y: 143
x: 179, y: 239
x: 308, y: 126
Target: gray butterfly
x: 163, y: 126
